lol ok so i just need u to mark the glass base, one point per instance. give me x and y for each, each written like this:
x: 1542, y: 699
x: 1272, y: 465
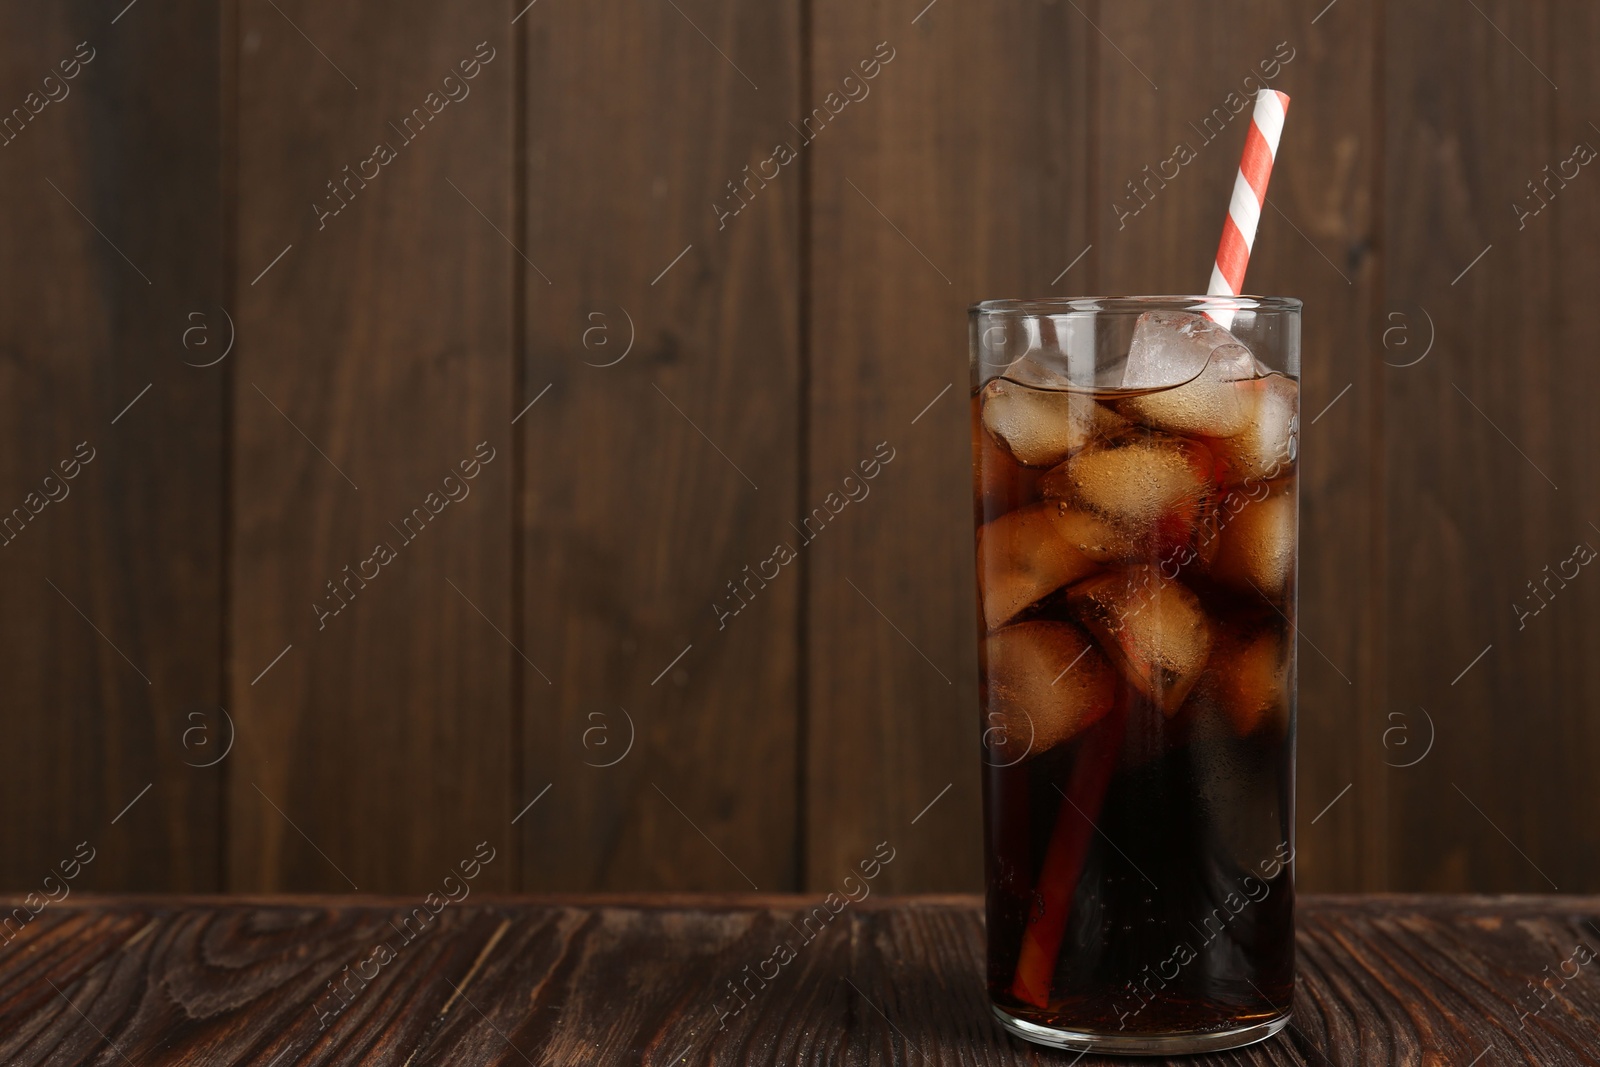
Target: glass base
x: 1125, y: 1044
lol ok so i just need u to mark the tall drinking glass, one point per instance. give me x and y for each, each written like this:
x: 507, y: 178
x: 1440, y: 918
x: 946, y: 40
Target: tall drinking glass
x: 1135, y: 500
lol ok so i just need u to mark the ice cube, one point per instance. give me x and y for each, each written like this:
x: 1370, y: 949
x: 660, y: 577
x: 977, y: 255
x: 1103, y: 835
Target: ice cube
x: 1022, y: 557
x: 1140, y: 494
x: 999, y: 482
x: 1094, y: 535
x: 1197, y: 368
x: 1255, y: 544
x: 1170, y: 347
x: 1043, y: 682
x: 1268, y: 444
x: 1042, y: 427
x: 1151, y: 627
x: 1250, y: 675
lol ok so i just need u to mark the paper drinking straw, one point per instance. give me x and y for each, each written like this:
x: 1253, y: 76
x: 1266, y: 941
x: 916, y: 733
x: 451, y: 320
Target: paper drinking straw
x: 1249, y: 195
x: 1062, y: 866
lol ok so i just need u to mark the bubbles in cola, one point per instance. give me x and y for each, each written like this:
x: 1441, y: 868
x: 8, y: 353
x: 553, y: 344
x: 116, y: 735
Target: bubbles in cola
x: 1151, y: 491
x: 1267, y: 445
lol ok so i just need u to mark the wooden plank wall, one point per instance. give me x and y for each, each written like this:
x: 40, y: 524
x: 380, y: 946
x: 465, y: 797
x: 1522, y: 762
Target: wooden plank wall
x: 1489, y: 444
x: 905, y: 236
x: 110, y: 637
x: 656, y: 474
x: 376, y: 359
x: 681, y: 269
x: 1569, y: 378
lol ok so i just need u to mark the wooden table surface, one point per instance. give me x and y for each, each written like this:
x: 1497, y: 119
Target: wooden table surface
x: 644, y: 980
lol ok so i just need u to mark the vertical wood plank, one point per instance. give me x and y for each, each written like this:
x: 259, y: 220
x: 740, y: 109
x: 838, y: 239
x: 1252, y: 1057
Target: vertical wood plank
x: 1473, y: 456
x: 375, y: 359
x: 110, y: 569
x: 961, y: 177
x: 1158, y: 233
x: 1574, y: 224
x: 660, y: 456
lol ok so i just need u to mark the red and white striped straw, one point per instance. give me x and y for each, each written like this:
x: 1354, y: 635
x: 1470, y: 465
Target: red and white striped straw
x: 1249, y: 195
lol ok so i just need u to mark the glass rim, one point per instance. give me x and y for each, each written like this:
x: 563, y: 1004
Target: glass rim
x: 1099, y: 305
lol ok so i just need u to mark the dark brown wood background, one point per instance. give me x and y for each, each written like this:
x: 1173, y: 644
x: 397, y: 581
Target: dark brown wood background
x: 665, y: 395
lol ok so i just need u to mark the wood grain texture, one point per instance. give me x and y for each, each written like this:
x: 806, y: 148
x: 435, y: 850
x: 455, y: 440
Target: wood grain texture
x: 662, y: 463
x: 377, y: 359
x: 1156, y: 233
x: 1574, y: 378
x: 110, y: 569
x: 1485, y: 486
x: 1393, y: 980
x: 959, y: 178
x: 1325, y: 249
